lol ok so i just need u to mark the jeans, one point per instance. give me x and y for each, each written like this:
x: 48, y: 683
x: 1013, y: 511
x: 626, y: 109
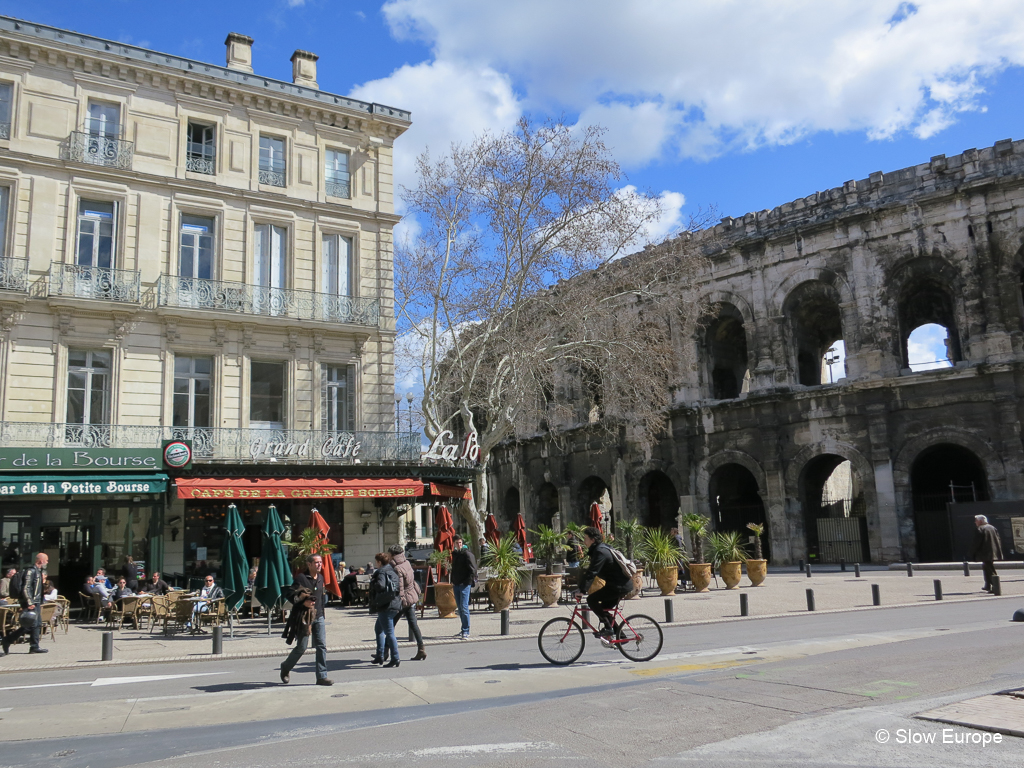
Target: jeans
x: 409, y: 612
x: 319, y: 635
x: 462, y: 604
x: 385, y: 630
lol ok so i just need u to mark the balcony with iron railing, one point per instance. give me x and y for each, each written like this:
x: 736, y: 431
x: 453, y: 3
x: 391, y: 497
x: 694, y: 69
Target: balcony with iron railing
x: 241, y: 298
x: 99, y: 149
x: 224, y: 444
x: 200, y: 158
x: 80, y: 282
x: 339, y: 184
x: 14, y: 275
x: 5, y: 129
x: 272, y: 173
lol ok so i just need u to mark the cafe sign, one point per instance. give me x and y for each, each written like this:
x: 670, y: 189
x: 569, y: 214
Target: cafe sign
x: 334, y: 447
x: 441, y: 449
x: 102, y: 459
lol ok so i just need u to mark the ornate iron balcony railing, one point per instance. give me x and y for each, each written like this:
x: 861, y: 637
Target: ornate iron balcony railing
x: 195, y: 293
x: 14, y: 274
x: 248, y: 446
x: 97, y: 149
x: 339, y: 186
x: 272, y: 178
x: 5, y: 130
x: 94, y: 283
x: 200, y: 158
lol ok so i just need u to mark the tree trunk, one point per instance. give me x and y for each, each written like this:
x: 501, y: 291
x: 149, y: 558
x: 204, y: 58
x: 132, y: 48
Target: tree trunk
x: 474, y: 511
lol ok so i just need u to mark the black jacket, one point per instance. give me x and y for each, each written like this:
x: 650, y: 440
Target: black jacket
x: 987, y: 546
x: 32, y: 588
x: 463, y: 567
x: 603, y: 564
x: 378, y: 588
x: 160, y: 588
x: 315, y: 587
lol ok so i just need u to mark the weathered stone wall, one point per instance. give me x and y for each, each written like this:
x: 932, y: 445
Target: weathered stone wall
x: 867, y: 263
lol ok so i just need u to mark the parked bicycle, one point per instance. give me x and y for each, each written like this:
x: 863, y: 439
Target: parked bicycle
x: 561, y: 640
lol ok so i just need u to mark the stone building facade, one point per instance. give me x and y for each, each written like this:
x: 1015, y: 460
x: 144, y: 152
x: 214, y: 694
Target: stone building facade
x: 863, y: 464
x: 190, y: 252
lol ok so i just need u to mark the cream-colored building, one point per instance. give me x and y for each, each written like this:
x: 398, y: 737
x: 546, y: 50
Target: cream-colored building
x: 192, y: 252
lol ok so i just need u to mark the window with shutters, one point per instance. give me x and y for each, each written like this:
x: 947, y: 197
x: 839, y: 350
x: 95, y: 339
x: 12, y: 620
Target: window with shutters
x: 338, y: 395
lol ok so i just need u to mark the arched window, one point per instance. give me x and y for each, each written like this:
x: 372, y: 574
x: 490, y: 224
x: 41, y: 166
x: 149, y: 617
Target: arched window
x: 726, y: 349
x: 834, y: 510
x: 928, y: 302
x: 816, y: 324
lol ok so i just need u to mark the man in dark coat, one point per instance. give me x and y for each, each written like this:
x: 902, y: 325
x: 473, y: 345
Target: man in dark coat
x: 463, y: 581
x: 31, y: 599
x: 616, y: 583
x: 987, y: 549
x: 313, y: 582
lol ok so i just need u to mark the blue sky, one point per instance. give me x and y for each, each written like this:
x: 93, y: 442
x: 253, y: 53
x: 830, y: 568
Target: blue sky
x: 737, y: 104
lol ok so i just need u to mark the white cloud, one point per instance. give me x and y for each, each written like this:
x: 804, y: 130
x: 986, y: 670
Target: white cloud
x: 449, y: 103
x: 709, y: 76
x: 669, y: 222
x: 926, y: 348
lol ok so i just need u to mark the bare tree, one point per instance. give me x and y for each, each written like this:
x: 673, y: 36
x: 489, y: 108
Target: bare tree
x: 518, y: 291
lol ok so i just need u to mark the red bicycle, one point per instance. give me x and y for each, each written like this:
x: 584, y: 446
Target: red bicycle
x: 561, y: 640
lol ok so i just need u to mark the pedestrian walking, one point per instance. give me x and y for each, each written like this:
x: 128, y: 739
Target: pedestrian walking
x: 410, y: 595
x: 385, y: 597
x: 463, y: 581
x: 987, y: 548
x: 31, y: 599
x: 312, y: 581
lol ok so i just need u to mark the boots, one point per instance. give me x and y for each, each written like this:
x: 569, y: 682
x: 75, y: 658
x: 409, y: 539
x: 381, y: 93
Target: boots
x: 421, y: 654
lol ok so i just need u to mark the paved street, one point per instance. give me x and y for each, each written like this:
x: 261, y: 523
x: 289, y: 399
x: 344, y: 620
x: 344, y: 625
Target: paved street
x: 801, y: 690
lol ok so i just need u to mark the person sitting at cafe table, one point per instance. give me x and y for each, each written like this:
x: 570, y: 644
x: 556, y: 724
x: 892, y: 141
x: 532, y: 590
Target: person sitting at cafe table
x: 201, y: 604
x: 155, y: 585
x: 5, y: 582
x: 121, y: 590
x: 102, y: 580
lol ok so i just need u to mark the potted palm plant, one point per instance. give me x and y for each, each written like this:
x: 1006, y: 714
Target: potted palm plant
x: 700, y: 571
x: 727, y: 553
x: 504, y: 562
x: 444, y: 592
x: 310, y: 543
x: 550, y: 546
x: 630, y: 540
x: 757, y: 566
x: 663, y: 554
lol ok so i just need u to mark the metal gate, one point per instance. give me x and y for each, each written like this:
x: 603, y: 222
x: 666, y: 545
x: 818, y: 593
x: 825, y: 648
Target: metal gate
x: 841, y: 538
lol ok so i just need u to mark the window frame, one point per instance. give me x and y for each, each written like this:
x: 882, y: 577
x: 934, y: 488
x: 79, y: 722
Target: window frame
x: 324, y: 277
x: 212, y: 235
x: 351, y: 401
x: 273, y: 158
x: 269, y: 425
x: 330, y: 172
x: 114, y: 239
x: 198, y: 162
x: 90, y: 372
x: 192, y: 376
x: 91, y: 128
x: 7, y: 127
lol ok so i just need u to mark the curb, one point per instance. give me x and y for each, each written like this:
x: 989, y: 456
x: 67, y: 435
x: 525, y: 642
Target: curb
x: 452, y: 641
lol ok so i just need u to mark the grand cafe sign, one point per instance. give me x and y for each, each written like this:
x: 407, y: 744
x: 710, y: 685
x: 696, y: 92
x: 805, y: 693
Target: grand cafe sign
x: 333, y: 447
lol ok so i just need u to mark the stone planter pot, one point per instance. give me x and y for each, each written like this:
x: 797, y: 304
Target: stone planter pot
x: 501, y: 592
x: 444, y: 599
x: 638, y: 585
x: 731, y: 574
x: 700, y: 575
x: 549, y: 588
x: 668, y: 578
x: 757, y: 570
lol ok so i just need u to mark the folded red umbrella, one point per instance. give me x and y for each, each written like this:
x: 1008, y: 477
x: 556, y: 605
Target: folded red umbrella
x: 317, y: 521
x: 595, y: 516
x: 491, y: 531
x: 444, y: 529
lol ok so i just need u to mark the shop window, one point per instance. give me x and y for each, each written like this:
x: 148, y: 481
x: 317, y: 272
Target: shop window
x: 336, y: 175
x: 195, y: 254
x: 338, y: 398
x: 192, y: 385
x: 95, y: 243
x: 272, y: 161
x: 88, y: 387
x: 201, y: 149
x: 266, y: 395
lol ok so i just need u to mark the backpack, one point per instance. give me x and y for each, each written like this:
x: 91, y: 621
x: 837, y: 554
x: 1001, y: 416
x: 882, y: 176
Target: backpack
x: 17, y: 584
x: 626, y: 565
x: 389, y: 591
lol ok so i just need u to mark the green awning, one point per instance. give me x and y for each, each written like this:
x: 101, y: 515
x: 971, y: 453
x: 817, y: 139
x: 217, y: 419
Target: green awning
x: 81, y: 485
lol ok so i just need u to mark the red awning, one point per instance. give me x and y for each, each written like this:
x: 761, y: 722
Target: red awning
x: 451, y: 491
x: 298, y: 488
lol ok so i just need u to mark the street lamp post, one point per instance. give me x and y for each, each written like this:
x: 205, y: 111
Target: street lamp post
x: 398, y: 413
x: 408, y: 398
x: 831, y: 358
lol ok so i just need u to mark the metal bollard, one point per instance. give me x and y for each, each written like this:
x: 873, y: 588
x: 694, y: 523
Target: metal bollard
x: 808, y: 570
x: 842, y: 565
x: 744, y: 608
x: 504, y: 622
x: 967, y: 568
x: 997, y: 588
x: 108, y: 646
x: 876, y: 595
x: 669, y: 614
x: 801, y: 566
x: 938, y: 588
x: 910, y: 569
x: 585, y: 615
x: 218, y: 640
x: 810, y: 599
x: 856, y: 570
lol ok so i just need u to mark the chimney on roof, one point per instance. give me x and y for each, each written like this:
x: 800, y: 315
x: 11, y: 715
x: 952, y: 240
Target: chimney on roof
x: 304, y: 69
x: 239, y: 52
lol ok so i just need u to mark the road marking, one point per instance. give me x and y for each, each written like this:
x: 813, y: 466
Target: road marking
x: 111, y: 681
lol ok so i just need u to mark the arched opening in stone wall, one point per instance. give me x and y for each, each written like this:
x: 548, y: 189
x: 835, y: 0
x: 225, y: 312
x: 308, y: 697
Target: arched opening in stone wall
x: 658, y: 501
x: 726, y: 354
x: 927, y: 301
x: 593, y: 489
x: 928, y: 348
x: 547, y: 504
x: 816, y: 324
x: 835, y: 514
x: 510, y: 507
x: 735, y: 501
x: 940, y: 475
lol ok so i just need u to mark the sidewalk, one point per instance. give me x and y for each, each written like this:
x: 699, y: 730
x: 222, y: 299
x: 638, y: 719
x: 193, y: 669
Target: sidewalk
x: 350, y: 630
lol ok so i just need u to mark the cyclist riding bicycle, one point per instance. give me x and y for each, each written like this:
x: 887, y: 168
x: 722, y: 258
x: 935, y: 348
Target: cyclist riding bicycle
x: 616, y: 583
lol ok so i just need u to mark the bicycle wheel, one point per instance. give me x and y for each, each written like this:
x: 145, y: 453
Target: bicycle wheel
x: 640, y: 637
x: 561, y: 641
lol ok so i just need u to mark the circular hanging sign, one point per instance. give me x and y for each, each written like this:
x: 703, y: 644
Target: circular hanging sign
x: 177, y: 454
